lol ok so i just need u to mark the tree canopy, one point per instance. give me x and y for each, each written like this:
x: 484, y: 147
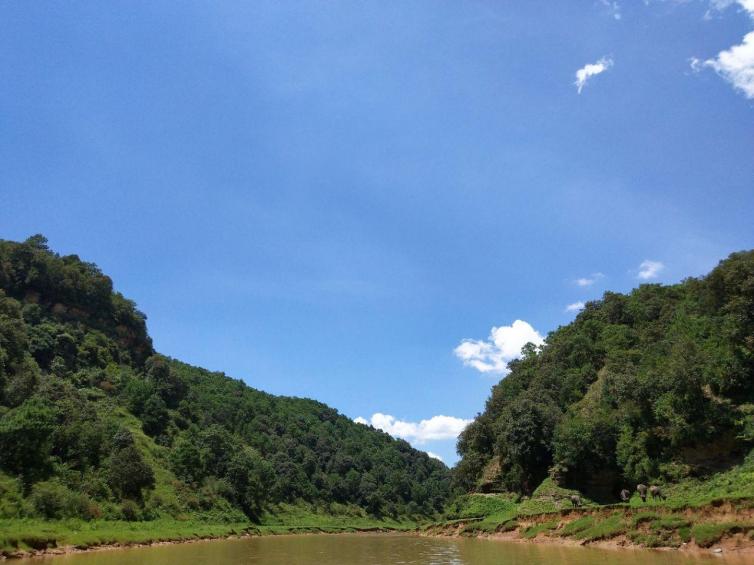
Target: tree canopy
x: 94, y: 422
x: 655, y: 384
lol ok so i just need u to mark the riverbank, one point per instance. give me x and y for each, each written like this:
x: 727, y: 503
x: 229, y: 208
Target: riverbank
x: 727, y: 529
x: 30, y: 537
x: 37, y: 546
x: 723, y: 526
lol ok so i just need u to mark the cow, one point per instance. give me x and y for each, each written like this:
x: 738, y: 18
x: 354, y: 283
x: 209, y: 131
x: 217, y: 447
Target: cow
x: 642, y: 490
x: 625, y: 495
x: 656, y: 492
x: 575, y: 500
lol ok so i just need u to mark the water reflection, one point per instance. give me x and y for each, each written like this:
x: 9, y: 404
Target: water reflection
x: 380, y: 550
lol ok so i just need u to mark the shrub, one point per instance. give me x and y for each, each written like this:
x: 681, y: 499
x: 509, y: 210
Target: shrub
x: 25, y: 439
x: 80, y: 505
x: 53, y: 500
x: 11, y: 497
x: 130, y: 511
x: 163, y: 503
x: 128, y: 473
x: 49, y: 499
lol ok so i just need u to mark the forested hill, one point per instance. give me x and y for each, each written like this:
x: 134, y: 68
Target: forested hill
x: 94, y: 423
x: 657, y: 384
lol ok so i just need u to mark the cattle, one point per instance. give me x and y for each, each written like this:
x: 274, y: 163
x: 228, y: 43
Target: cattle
x: 656, y: 492
x: 642, y: 490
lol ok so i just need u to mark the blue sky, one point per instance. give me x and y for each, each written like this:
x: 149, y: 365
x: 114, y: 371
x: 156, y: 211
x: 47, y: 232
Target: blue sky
x: 341, y: 200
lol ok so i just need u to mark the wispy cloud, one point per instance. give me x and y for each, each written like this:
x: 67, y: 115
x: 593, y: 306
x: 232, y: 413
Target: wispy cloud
x: 436, y: 428
x: 721, y: 5
x: 717, y: 6
x: 434, y: 456
x: 502, y: 346
x: 650, y: 269
x: 735, y: 64
x: 590, y: 70
x: 588, y: 281
x: 575, y: 307
x: 613, y: 8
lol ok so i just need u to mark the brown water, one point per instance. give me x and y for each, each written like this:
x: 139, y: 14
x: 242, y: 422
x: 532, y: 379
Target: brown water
x: 379, y: 550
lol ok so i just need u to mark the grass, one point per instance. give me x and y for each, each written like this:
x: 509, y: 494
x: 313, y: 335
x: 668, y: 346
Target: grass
x: 487, y: 512
x: 172, y: 516
x: 607, y: 528
x: 685, y: 515
x: 480, y: 505
x: 654, y: 524
x: 26, y: 534
x: 549, y: 497
x: 651, y: 529
x: 508, y: 526
x: 33, y: 534
x: 490, y: 524
x: 333, y: 517
x: 577, y: 526
x: 706, y: 534
x: 736, y: 483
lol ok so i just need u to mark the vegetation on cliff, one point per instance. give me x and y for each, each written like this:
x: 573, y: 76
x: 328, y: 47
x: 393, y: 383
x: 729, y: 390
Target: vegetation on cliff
x: 696, y: 513
x: 653, y: 386
x: 95, y: 424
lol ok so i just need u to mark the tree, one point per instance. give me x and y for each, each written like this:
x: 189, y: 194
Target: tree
x: 186, y: 458
x: 166, y: 382
x: 524, y: 432
x: 251, y: 477
x: 75, y: 357
x: 25, y: 440
x: 154, y: 416
x: 128, y: 473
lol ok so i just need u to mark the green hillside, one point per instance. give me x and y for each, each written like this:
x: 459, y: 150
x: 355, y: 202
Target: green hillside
x: 95, y: 425
x: 655, y: 386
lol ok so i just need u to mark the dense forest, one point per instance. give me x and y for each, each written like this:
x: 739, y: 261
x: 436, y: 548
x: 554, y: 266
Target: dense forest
x: 655, y: 385
x: 94, y: 423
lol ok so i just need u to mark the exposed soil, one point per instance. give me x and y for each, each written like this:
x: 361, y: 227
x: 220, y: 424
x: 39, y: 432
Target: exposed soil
x: 736, y: 543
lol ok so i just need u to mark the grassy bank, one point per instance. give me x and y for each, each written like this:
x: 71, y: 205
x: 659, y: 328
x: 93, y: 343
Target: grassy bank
x: 695, y: 513
x: 20, y: 537
x: 652, y: 526
x: 28, y: 535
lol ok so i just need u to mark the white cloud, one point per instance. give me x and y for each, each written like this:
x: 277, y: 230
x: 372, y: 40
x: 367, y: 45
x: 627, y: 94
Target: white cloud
x: 575, y: 307
x: 502, y: 346
x: 435, y: 429
x: 590, y: 280
x: 735, y: 64
x: 434, y: 456
x: 650, y: 269
x: 591, y: 69
x: 721, y: 5
x: 613, y: 8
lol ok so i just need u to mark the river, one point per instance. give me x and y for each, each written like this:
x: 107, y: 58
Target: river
x: 385, y: 549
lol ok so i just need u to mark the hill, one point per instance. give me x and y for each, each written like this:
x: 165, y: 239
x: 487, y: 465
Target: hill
x: 654, y: 386
x: 94, y: 424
